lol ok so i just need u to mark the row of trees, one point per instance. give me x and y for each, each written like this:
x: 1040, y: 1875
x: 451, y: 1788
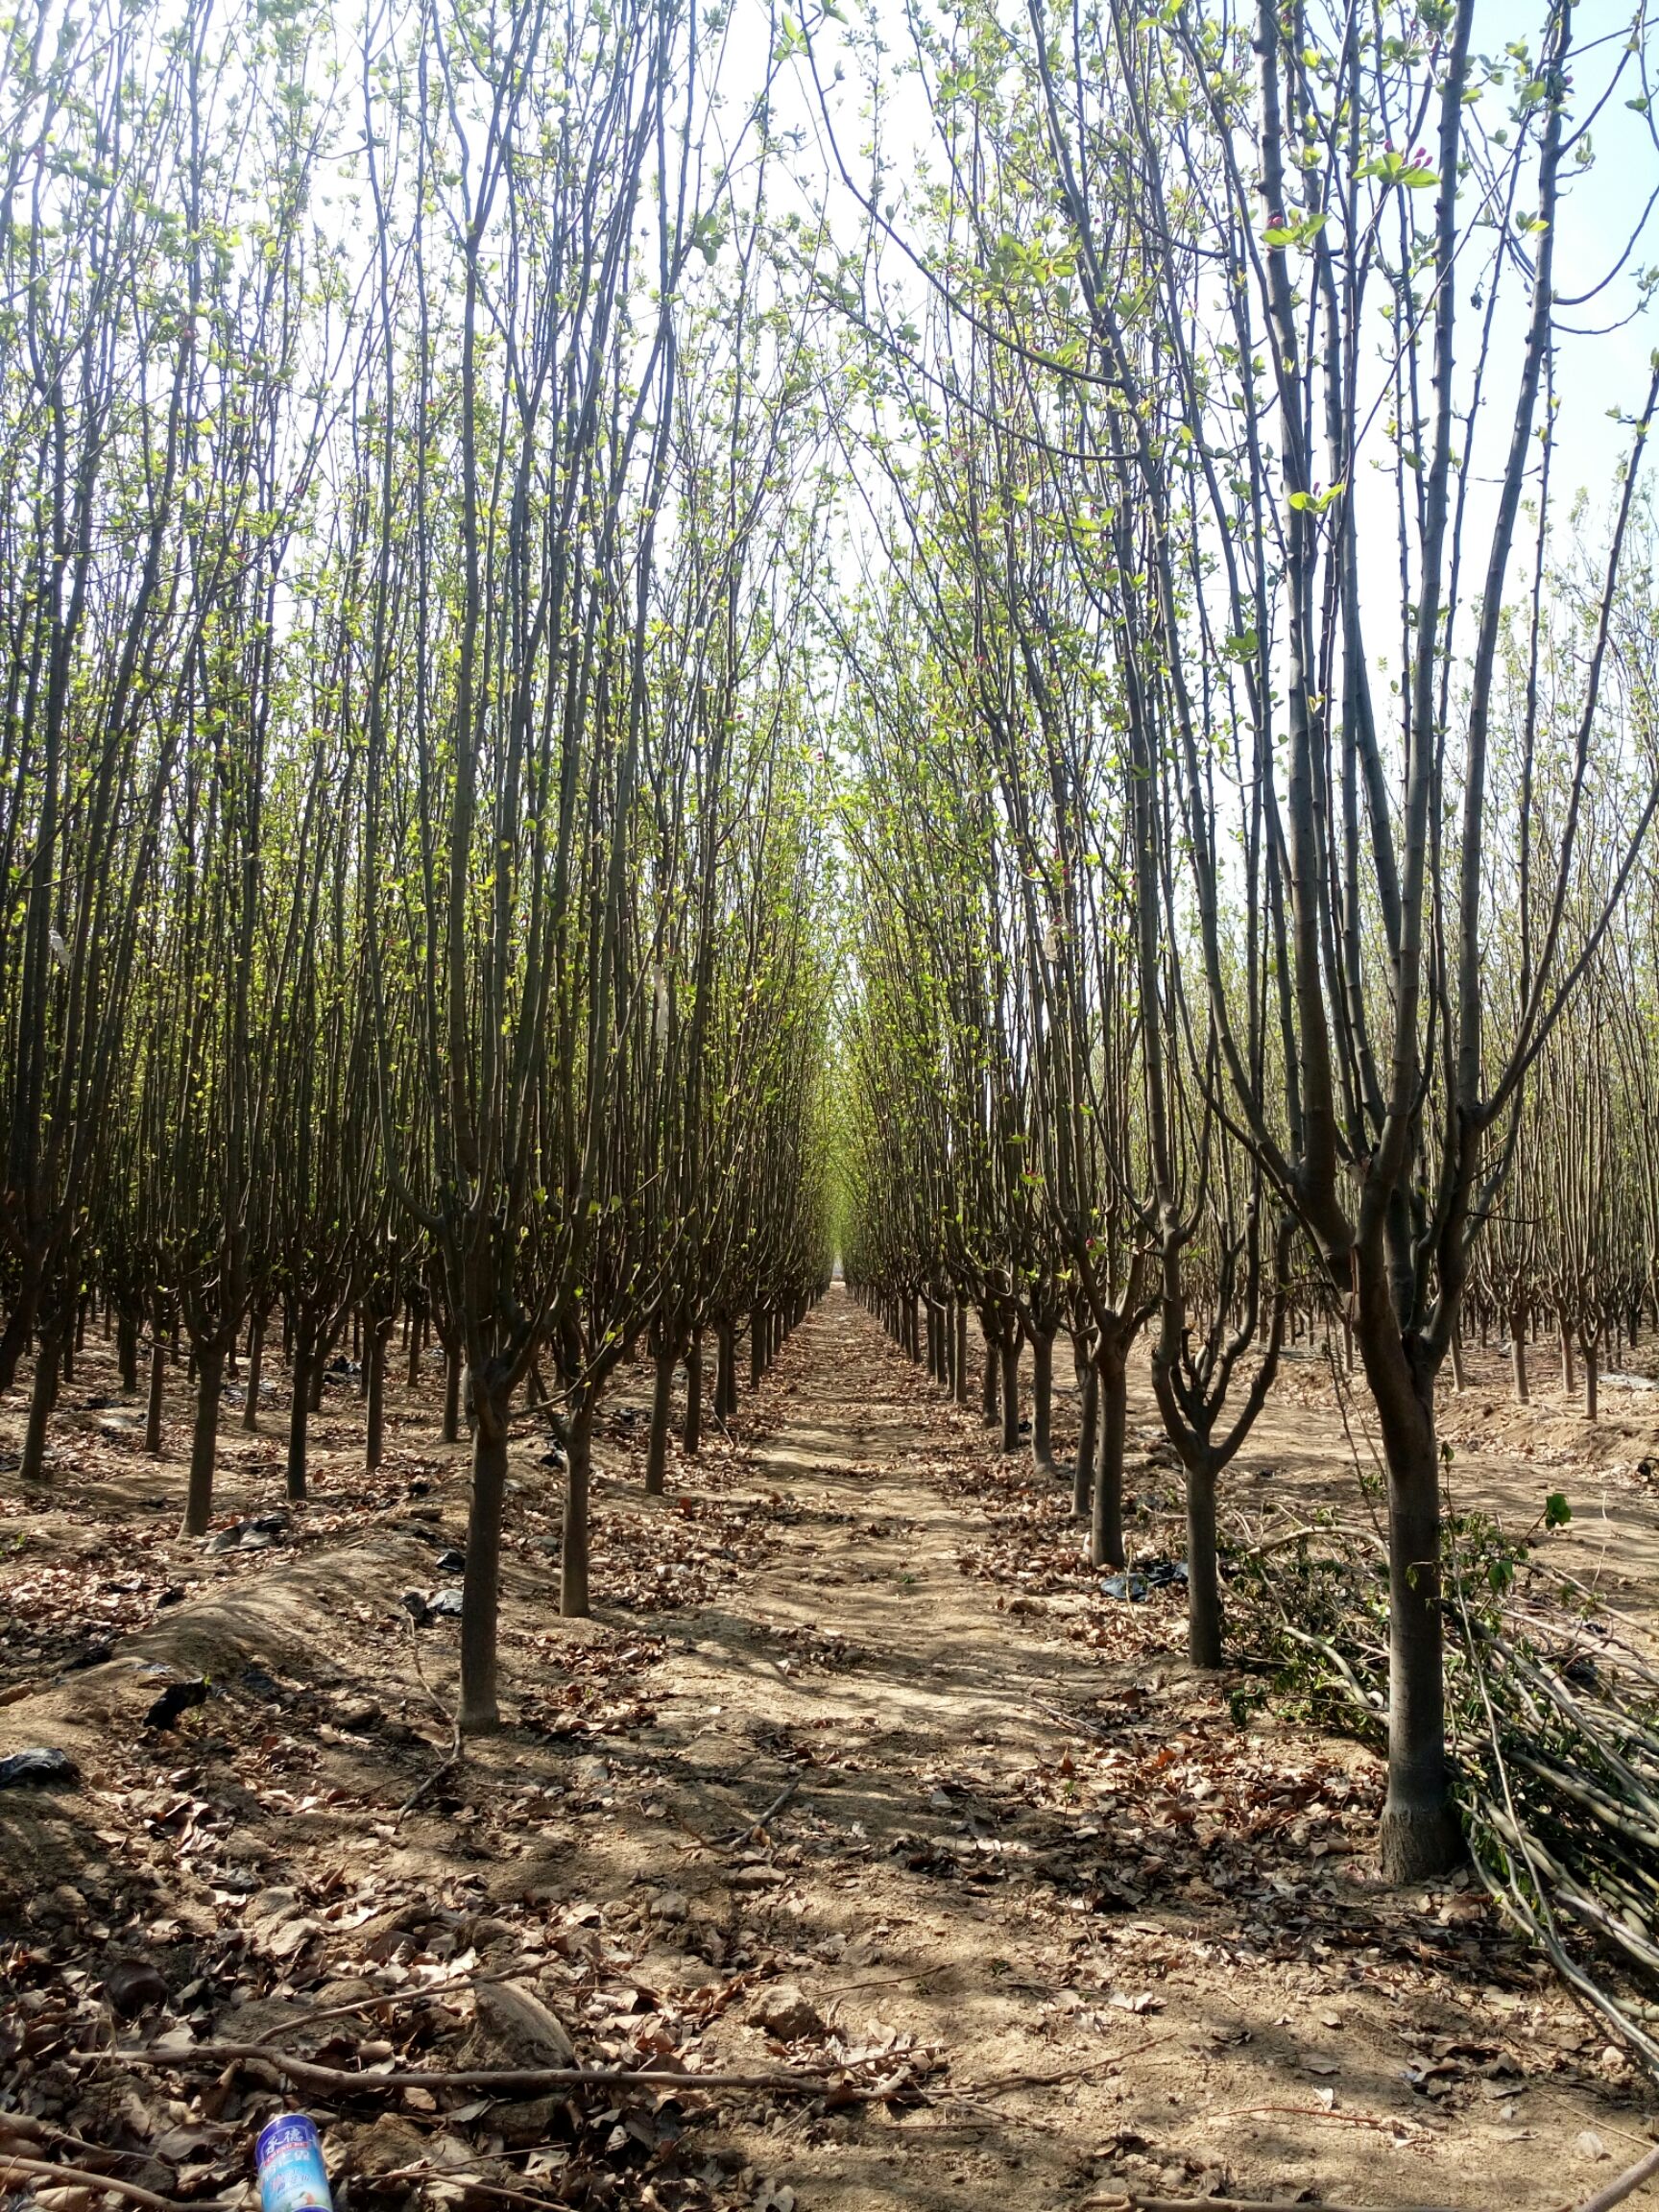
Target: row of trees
x: 410, y: 823
x: 1252, y: 763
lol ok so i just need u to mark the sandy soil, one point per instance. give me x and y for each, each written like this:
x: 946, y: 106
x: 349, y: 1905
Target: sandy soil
x: 853, y: 1767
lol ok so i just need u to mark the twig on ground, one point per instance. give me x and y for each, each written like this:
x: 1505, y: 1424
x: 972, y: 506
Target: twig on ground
x: 1131, y: 2201
x: 773, y: 1810
x: 38, y: 2169
x: 522, y: 2081
x: 1315, y: 2112
x: 1623, y: 2185
x: 381, y: 1997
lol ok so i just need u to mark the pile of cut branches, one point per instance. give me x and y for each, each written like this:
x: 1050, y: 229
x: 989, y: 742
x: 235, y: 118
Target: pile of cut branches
x: 1553, y: 1724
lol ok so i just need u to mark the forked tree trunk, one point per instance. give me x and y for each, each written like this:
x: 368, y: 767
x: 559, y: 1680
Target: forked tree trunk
x: 204, y: 1437
x: 1010, y: 1354
x: 157, y: 1399
x: 1111, y: 1416
x: 480, y: 1713
x: 573, y: 1555
x: 1042, y: 1402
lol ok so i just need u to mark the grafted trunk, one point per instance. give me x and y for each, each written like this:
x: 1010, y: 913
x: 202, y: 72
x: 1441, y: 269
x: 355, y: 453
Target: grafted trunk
x: 480, y: 1713
x: 1112, y: 1414
x: 204, y: 1437
x: 1041, y: 1401
x: 573, y: 1555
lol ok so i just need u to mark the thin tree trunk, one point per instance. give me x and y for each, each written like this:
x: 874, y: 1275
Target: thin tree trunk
x: 1106, y: 1508
x: 306, y: 1357
x: 1010, y: 1356
x: 451, y: 1394
x: 376, y: 1343
x: 157, y: 1395
x: 1042, y: 1402
x: 1569, y: 1381
x: 1592, y: 1379
x: 1518, y: 1355
x: 725, y: 1370
x: 1082, y: 1472
x: 990, y: 1387
x: 959, y: 1367
x: 205, y: 1438
x: 573, y: 1555
x: 1203, y: 1581
x: 480, y: 1713
x: 662, y: 1399
x: 692, y: 1435
x: 42, y: 1399
x: 255, y: 1361
x: 127, y: 1351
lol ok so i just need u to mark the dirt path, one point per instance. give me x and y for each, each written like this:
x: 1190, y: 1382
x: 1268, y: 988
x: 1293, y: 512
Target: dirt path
x: 855, y: 1763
